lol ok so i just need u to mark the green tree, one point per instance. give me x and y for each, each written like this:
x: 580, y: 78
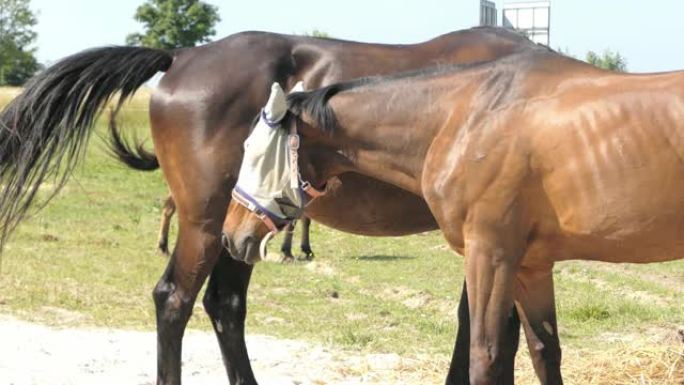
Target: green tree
x: 174, y: 23
x: 609, y: 60
x: 17, y: 60
x: 318, y: 33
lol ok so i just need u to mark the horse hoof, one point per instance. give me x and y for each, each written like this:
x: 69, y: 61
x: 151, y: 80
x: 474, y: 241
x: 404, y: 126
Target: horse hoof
x: 307, y: 256
x: 163, y: 248
x: 286, y: 259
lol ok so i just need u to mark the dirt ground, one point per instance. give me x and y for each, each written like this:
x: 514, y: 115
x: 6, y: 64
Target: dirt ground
x: 35, y: 354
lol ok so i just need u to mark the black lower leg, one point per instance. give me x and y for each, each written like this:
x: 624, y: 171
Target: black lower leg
x: 173, y: 312
x: 306, y: 244
x: 511, y: 344
x: 225, y: 302
x: 286, y: 248
x: 460, y: 360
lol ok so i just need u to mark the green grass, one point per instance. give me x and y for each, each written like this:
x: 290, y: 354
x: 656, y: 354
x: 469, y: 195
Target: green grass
x: 89, y: 258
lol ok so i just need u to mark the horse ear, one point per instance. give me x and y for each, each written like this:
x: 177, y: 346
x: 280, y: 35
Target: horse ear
x: 276, y: 107
x: 299, y: 87
x: 298, y: 104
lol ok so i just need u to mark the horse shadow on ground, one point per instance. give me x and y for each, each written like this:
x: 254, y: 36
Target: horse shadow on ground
x: 383, y: 258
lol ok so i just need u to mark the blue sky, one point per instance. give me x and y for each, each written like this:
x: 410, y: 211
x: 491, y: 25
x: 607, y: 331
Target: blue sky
x: 648, y: 33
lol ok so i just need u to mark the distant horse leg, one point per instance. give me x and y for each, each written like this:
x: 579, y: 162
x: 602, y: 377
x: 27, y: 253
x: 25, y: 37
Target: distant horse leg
x: 286, y: 249
x: 460, y: 361
x: 490, y: 267
x: 225, y: 300
x: 174, y: 296
x: 305, y: 245
x: 167, y: 212
x: 536, y: 305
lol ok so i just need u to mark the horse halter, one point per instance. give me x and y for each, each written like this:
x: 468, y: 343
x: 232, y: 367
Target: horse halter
x: 274, y: 222
x: 275, y: 198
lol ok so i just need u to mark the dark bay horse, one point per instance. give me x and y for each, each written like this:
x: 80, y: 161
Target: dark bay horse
x: 200, y: 114
x: 304, y: 243
x: 524, y: 161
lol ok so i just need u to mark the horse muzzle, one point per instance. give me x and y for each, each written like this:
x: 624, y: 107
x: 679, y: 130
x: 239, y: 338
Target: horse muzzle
x: 246, y: 250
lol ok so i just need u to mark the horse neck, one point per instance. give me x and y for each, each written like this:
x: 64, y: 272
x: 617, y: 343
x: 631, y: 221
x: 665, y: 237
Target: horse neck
x: 385, y: 132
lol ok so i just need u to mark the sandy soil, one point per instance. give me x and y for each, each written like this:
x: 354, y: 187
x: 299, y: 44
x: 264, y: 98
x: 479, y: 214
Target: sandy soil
x: 36, y: 354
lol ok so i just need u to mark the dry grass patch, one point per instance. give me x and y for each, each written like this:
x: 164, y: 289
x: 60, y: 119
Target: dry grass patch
x: 655, y: 357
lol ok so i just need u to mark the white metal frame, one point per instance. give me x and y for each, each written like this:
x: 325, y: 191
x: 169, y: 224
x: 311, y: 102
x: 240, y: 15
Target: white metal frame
x: 540, y: 30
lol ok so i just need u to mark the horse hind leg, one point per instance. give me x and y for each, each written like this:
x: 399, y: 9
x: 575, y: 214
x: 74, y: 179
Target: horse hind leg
x: 175, y: 294
x: 197, y: 253
x: 305, y: 244
x: 168, y: 210
x: 286, y: 248
x: 225, y: 301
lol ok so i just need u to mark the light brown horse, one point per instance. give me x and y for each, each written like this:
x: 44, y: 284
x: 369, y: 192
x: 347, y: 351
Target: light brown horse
x: 200, y: 114
x: 524, y: 161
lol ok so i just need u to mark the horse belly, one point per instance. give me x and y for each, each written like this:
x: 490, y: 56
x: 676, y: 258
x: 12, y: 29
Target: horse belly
x: 361, y: 205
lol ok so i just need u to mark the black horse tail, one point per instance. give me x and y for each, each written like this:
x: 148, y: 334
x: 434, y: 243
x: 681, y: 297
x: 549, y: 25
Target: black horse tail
x: 132, y: 155
x: 44, y: 130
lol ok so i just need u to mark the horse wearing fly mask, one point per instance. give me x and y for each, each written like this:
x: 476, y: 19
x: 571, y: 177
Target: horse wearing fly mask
x: 270, y: 184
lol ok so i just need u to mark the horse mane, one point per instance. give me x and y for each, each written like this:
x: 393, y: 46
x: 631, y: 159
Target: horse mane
x: 313, y: 105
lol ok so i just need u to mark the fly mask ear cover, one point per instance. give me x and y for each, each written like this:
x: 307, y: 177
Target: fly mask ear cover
x: 265, y: 174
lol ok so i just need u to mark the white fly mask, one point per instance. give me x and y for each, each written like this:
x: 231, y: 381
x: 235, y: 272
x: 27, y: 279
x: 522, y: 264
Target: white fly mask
x: 269, y: 183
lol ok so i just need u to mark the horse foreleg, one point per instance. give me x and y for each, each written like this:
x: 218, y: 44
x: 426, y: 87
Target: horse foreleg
x: 536, y: 304
x: 460, y: 361
x: 305, y: 245
x: 490, y: 268
x: 286, y: 248
x: 225, y: 300
x: 175, y: 293
x: 167, y: 212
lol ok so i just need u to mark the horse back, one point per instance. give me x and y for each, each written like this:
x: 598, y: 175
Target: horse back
x: 201, y: 112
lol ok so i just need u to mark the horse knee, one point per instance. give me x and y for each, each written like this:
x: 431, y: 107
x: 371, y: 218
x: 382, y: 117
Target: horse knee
x: 171, y: 304
x: 480, y: 374
x: 212, y: 303
x: 485, y: 365
x: 209, y: 301
x: 227, y: 311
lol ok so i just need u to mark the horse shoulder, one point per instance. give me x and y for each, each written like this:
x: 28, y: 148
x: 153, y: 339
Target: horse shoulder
x: 475, y: 173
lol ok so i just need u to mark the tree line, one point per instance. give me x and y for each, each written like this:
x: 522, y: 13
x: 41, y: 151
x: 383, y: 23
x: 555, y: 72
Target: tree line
x: 166, y: 24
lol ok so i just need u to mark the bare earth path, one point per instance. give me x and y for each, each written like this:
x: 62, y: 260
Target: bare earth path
x: 35, y: 354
